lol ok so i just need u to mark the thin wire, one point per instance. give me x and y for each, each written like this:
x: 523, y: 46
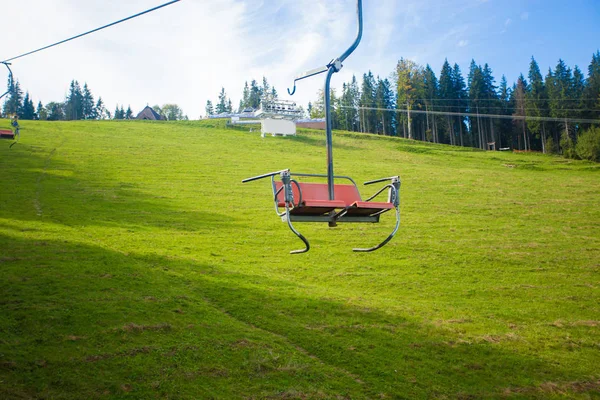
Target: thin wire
x: 515, y: 107
x: 475, y: 115
x: 92, y: 31
x: 533, y: 100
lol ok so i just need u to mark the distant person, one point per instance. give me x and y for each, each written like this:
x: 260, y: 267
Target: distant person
x: 15, y: 124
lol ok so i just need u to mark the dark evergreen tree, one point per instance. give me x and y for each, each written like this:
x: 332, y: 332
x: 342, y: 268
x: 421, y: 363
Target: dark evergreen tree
x: 520, y: 112
x: 41, y: 112
x: 87, y: 106
x: 446, y: 99
x: 254, y: 96
x: 476, y: 102
x: 128, y: 113
x: 14, y: 102
x: 266, y: 89
x: 559, y: 84
x: 222, y: 105
x: 536, y: 102
x: 74, y: 102
x: 430, y: 93
x: 368, y: 118
x: 28, y: 111
x: 592, y: 90
x: 460, y: 103
x: 384, y: 100
x: 209, y: 109
x: 100, y: 110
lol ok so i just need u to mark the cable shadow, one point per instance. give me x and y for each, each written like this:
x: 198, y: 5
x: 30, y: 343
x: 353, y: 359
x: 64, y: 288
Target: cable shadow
x: 121, y: 302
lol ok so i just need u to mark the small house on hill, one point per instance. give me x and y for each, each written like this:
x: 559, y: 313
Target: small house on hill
x: 149, y: 114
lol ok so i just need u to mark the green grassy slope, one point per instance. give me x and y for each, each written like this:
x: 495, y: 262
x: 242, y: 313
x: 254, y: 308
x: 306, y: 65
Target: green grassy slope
x: 134, y: 264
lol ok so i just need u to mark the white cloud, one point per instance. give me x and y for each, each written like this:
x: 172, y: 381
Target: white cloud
x: 186, y: 52
x: 508, y: 22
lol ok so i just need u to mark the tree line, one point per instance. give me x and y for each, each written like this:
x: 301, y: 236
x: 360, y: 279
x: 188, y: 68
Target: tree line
x: 251, y: 98
x: 79, y: 104
x: 541, y: 113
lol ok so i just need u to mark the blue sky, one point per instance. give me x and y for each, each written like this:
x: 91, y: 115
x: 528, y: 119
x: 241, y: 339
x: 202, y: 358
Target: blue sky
x: 186, y: 52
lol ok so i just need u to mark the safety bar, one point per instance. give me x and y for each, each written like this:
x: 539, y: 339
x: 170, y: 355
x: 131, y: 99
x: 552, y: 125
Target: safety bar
x: 255, y: 178
x: 307, y: 74
x: 391, y: 178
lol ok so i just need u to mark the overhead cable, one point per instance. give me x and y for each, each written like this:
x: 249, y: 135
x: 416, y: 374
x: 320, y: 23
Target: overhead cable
x: 92, y: 31
x: 475, y: 115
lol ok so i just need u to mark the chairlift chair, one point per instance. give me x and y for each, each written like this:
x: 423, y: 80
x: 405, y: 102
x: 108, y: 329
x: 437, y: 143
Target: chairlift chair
x: 13, y: 133
x: 332, y: 202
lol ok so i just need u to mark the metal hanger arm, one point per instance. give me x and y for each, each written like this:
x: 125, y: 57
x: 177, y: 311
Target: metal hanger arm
x: 307, y: 74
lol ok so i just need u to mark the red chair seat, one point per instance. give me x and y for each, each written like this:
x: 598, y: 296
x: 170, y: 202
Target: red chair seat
x: 315, y: 200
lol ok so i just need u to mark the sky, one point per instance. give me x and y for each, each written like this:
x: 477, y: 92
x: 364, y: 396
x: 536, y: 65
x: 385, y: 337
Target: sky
x: 186, y: 52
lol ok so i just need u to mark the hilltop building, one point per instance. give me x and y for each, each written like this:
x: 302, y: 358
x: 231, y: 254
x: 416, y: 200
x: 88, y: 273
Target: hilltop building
x: 149, y: 114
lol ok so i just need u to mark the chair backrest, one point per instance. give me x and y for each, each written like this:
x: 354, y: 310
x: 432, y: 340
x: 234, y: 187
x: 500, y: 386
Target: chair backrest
x: 320, y: 191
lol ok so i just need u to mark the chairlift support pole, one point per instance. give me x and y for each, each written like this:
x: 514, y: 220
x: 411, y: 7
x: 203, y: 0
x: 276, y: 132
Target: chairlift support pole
x: 331, y: 68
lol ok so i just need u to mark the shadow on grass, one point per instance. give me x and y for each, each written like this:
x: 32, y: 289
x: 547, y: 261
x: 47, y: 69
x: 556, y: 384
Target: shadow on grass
x: 79, y: 319
x: 35, y: 185
x: 317, y: 139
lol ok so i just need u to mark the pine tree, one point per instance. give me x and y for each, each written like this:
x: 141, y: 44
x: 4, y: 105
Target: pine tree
x: 592, y: 90
x: 222, y: 105
x: 254, y: 95
x: 559, y: 84
x: 504, y: 95
x: 28, y: 111
x: 87, y: 106
x: 384, y: 100
x: 100, y: 110
x: 128, y: 113
x: 209, y: 108
x: 447, y: 96
x: 520, y: 92
x: 368, y: 118
x: 74, y: 102
x: 245, y: 102
x: 536, y: 103
x: 460, y: 102
x: 266, y: 89
x: 14, y: 102
x: 430, y: 96
x: 41, y: 112
x: 476, y: 94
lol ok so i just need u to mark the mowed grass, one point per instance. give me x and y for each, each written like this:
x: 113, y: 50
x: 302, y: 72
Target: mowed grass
x: 134, y: 264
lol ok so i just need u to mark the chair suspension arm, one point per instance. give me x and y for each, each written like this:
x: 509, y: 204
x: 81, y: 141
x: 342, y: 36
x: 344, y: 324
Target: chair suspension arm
x: 380, y: 245
x: 289, y: 222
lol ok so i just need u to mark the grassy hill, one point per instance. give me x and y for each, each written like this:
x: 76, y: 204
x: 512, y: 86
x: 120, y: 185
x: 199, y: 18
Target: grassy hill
x: 134, y: 264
